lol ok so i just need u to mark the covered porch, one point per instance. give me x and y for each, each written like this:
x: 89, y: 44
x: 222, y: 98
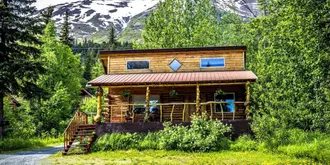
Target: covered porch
x: 174, y: 97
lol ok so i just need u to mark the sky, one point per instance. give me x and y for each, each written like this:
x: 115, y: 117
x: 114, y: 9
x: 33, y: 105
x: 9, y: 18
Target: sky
x: 45, y: 3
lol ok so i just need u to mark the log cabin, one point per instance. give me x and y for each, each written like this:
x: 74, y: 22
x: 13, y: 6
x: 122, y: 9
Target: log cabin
x: 143, y: 88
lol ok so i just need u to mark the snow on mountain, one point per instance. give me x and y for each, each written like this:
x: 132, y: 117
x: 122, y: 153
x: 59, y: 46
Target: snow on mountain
x: 92, y: 16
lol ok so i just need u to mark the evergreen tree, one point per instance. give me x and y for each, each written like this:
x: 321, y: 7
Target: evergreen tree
x: 65, y: 31
x: 112, y: 39
x: 19, y: 67
x: 47, y: 14
x: 181, y: 23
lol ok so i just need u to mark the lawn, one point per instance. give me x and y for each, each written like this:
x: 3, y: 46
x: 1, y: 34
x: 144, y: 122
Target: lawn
x: 175, y: 157
x: 10, y: 145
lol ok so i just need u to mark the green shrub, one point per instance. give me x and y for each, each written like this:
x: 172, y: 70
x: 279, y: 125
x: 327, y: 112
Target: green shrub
x: 202, y: 135
x: 244, y: 143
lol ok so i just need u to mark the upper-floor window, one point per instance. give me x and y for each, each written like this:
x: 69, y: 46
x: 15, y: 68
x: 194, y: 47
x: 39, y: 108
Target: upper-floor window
x: 138, y: 64
x: 212, y: 62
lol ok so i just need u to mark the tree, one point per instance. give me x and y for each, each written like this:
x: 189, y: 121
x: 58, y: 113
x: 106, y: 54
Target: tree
x: 47, y: 14
x: 19, y: 67
x: 65, y: 31
x: 61, y: 80
x: 289, y: 51
x: 112, y: 39
x: 181, y: 23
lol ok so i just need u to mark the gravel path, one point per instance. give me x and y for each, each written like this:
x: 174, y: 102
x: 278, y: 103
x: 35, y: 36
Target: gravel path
x: 28, y: 157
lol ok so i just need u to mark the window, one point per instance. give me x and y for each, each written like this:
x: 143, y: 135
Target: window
x: 140, y: 99
x: 212, y: 62
x: 141, y: 64
x: 229, y: 106
x: 175, y: 65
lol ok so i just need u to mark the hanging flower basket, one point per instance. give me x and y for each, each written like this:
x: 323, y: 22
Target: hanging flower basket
x: 173, y: 93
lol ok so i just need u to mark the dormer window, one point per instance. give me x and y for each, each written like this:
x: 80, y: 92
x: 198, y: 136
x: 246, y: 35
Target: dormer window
x: 138, y: 64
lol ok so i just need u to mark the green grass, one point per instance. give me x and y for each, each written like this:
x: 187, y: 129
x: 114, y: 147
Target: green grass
x: 19, y: 144
x: 176, y: 157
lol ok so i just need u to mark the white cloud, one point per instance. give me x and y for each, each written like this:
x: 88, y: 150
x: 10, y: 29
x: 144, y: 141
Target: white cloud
x: 40, y: 4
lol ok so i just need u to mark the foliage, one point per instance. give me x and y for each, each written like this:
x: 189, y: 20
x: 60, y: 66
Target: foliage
x: 173, y: 93
x: 11, y: 144
x: 289, y: 51
x: 202, y: 135
x: 62, y: 82
x: 112, y: 39
x: 88, y: 104
x: 181, y: 23
x: 219, y: 92
x: 244, y: 143
x: 65, y: 31
x: 125, y: 93
x: 19, y: 67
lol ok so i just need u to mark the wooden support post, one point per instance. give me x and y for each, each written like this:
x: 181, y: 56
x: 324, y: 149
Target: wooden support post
x: 247, y: 100
x: 108, y: 67
x: 161, y: 113
x: 133, y: 114
x: 121, y: 113
x: 221, y: 111
x: 184, y: 111
x: 211, y: 109
x: 198, y: 106
x: 97, y: 118
x: 147, y: 101
x: 172, y: 112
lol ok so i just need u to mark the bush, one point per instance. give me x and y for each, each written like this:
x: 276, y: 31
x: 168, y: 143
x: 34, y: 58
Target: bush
x: 202, y: 135
x: 244, y: 143
x: 11, y: 144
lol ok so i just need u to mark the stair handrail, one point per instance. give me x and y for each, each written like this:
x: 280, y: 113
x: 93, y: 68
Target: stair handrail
x: 80, y: 118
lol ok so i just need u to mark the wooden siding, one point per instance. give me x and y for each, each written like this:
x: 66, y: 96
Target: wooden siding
x: 185, y: 94
x: 159, y: 61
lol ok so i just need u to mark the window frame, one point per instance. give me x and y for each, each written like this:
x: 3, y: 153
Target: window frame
x: 144, y: 104
x: 138, y: 69
x: 224, y: 62
x: 234, y: 106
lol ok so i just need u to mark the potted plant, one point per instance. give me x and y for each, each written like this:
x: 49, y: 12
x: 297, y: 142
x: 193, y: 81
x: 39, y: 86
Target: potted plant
x: 219, y: 92
x: 173, y: 93
x: 125, y: 93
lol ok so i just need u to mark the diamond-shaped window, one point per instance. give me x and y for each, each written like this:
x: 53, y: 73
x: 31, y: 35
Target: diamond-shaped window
x: 175, y: 65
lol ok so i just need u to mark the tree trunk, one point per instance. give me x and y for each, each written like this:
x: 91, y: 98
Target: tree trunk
x: 1, y: 115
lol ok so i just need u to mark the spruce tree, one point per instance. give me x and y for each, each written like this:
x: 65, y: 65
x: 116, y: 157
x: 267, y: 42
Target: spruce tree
x: 47, y: 14
x: 112, y: 39
x: 19, y: 67
x: 65, y: 31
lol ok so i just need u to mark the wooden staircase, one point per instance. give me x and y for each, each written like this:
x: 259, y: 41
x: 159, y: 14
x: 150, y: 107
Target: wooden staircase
x: 79, y: 135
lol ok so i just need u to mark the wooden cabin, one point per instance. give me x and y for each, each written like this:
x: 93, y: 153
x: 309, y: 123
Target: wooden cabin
x: 143, y: 88
x: 173, y: 84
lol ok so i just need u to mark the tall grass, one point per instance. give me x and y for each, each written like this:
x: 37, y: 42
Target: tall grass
x: 12, y: 144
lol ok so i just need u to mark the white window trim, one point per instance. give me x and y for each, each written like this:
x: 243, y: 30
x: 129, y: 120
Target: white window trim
x: 233, y: 103
x: 138, y: 60
x: 224, y: 62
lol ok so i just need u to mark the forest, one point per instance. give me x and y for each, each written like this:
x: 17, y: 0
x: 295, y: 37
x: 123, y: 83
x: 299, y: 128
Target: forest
x: 288, y: 49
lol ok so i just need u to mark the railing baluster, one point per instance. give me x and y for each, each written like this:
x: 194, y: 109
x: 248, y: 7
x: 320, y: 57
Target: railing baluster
x: 221, y: 111
x: 211, y: 109
x: 121, y: 114
x: 172, y: 112
x: 184, y: 111
x: 133, y: 113
x: 161, y: 113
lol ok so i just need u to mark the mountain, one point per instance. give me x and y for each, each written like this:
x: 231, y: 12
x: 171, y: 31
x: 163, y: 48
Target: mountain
x: 92, y: 18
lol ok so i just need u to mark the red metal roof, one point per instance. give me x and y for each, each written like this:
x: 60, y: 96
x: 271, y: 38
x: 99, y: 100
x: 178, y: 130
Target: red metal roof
x: 176, y: 77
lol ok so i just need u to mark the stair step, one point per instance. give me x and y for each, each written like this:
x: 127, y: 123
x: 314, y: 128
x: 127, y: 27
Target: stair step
x: 87, y: 125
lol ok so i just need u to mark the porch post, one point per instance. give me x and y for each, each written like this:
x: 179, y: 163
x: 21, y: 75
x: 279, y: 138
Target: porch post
x: 247, y: 100
x: 198, y: 100
x: 97, y: 118
x: 147, y: 101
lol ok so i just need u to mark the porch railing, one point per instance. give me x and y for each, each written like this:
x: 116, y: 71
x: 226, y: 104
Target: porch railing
x: 79, y: 118
x: 211, y: 104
